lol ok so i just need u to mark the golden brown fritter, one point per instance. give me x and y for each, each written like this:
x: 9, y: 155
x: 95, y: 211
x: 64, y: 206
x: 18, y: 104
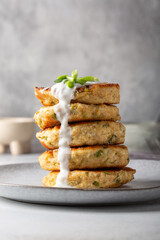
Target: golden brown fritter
x: 91, y: 94
x: 93, y: 179
x: 85, y: 133
x: 46, y: 116
x: 106, y: 156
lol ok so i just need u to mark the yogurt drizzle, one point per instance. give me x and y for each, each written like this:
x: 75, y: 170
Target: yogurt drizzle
x: 62, y: 110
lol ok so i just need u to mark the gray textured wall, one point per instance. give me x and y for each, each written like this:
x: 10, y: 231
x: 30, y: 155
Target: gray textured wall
x: 117, y: 41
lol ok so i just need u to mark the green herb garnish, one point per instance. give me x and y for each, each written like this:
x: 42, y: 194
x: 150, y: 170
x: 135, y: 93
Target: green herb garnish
x: 99, y: 153
x: 112, y: 139
x: 73, y: 107
x: 45, y: 137
x: 54, y: 116
x: 75, y: 74
x: 70, y: 84
x: 117, y: 180
x: 106, y: 125
x: 96, y: 183
x: 84, y: 115
x: 71, y: 80
x: 58, y: 80
x: 62, y: 77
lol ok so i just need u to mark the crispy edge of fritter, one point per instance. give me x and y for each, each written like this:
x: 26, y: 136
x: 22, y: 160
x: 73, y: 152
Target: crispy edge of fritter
x: 51, y: 122
x: 94, y: 147
x: 89, y: 150
x: 90, y: 88
x: 57, y: 127
x: 94, y: 174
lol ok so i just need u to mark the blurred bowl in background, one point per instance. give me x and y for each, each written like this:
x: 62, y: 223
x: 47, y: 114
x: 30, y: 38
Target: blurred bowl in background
x: 139, y: 134
x: 17, y: 133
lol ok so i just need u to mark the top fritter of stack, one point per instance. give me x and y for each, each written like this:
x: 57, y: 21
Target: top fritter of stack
x: 99, y: 93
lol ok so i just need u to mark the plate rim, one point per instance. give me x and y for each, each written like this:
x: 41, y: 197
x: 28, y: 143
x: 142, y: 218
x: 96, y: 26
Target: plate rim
x: 73, y: 189
x: 77, y: 189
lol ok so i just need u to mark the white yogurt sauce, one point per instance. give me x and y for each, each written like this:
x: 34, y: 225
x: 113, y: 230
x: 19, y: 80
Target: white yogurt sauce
x: 46, y: 88
x: 62, y: 110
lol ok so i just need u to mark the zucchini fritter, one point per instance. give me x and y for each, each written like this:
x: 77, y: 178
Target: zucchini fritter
x: 107, y: 178
x: 91, y: 94
x: 79, y: 112
x: 85, y: 133
x: 106, y: 156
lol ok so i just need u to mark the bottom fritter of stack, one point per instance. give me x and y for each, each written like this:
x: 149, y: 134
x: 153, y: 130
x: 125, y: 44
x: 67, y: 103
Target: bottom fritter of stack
x: 109, y: 159
x: 108, y: 178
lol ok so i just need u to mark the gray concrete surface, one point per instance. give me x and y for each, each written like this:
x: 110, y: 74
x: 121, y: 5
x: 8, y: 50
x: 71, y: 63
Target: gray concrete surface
x: 117, y: 41
x: 34, y: 221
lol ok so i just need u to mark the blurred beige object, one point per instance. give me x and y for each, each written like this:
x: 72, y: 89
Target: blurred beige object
x: 17, y: 133
x: 138, y: 135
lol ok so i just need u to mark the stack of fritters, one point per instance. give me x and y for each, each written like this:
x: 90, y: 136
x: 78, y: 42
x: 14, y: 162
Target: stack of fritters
x: 96, y: 161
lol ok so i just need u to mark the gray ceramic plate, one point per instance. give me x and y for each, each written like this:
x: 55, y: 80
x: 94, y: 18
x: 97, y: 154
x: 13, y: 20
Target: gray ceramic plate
x: 22, y: 182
